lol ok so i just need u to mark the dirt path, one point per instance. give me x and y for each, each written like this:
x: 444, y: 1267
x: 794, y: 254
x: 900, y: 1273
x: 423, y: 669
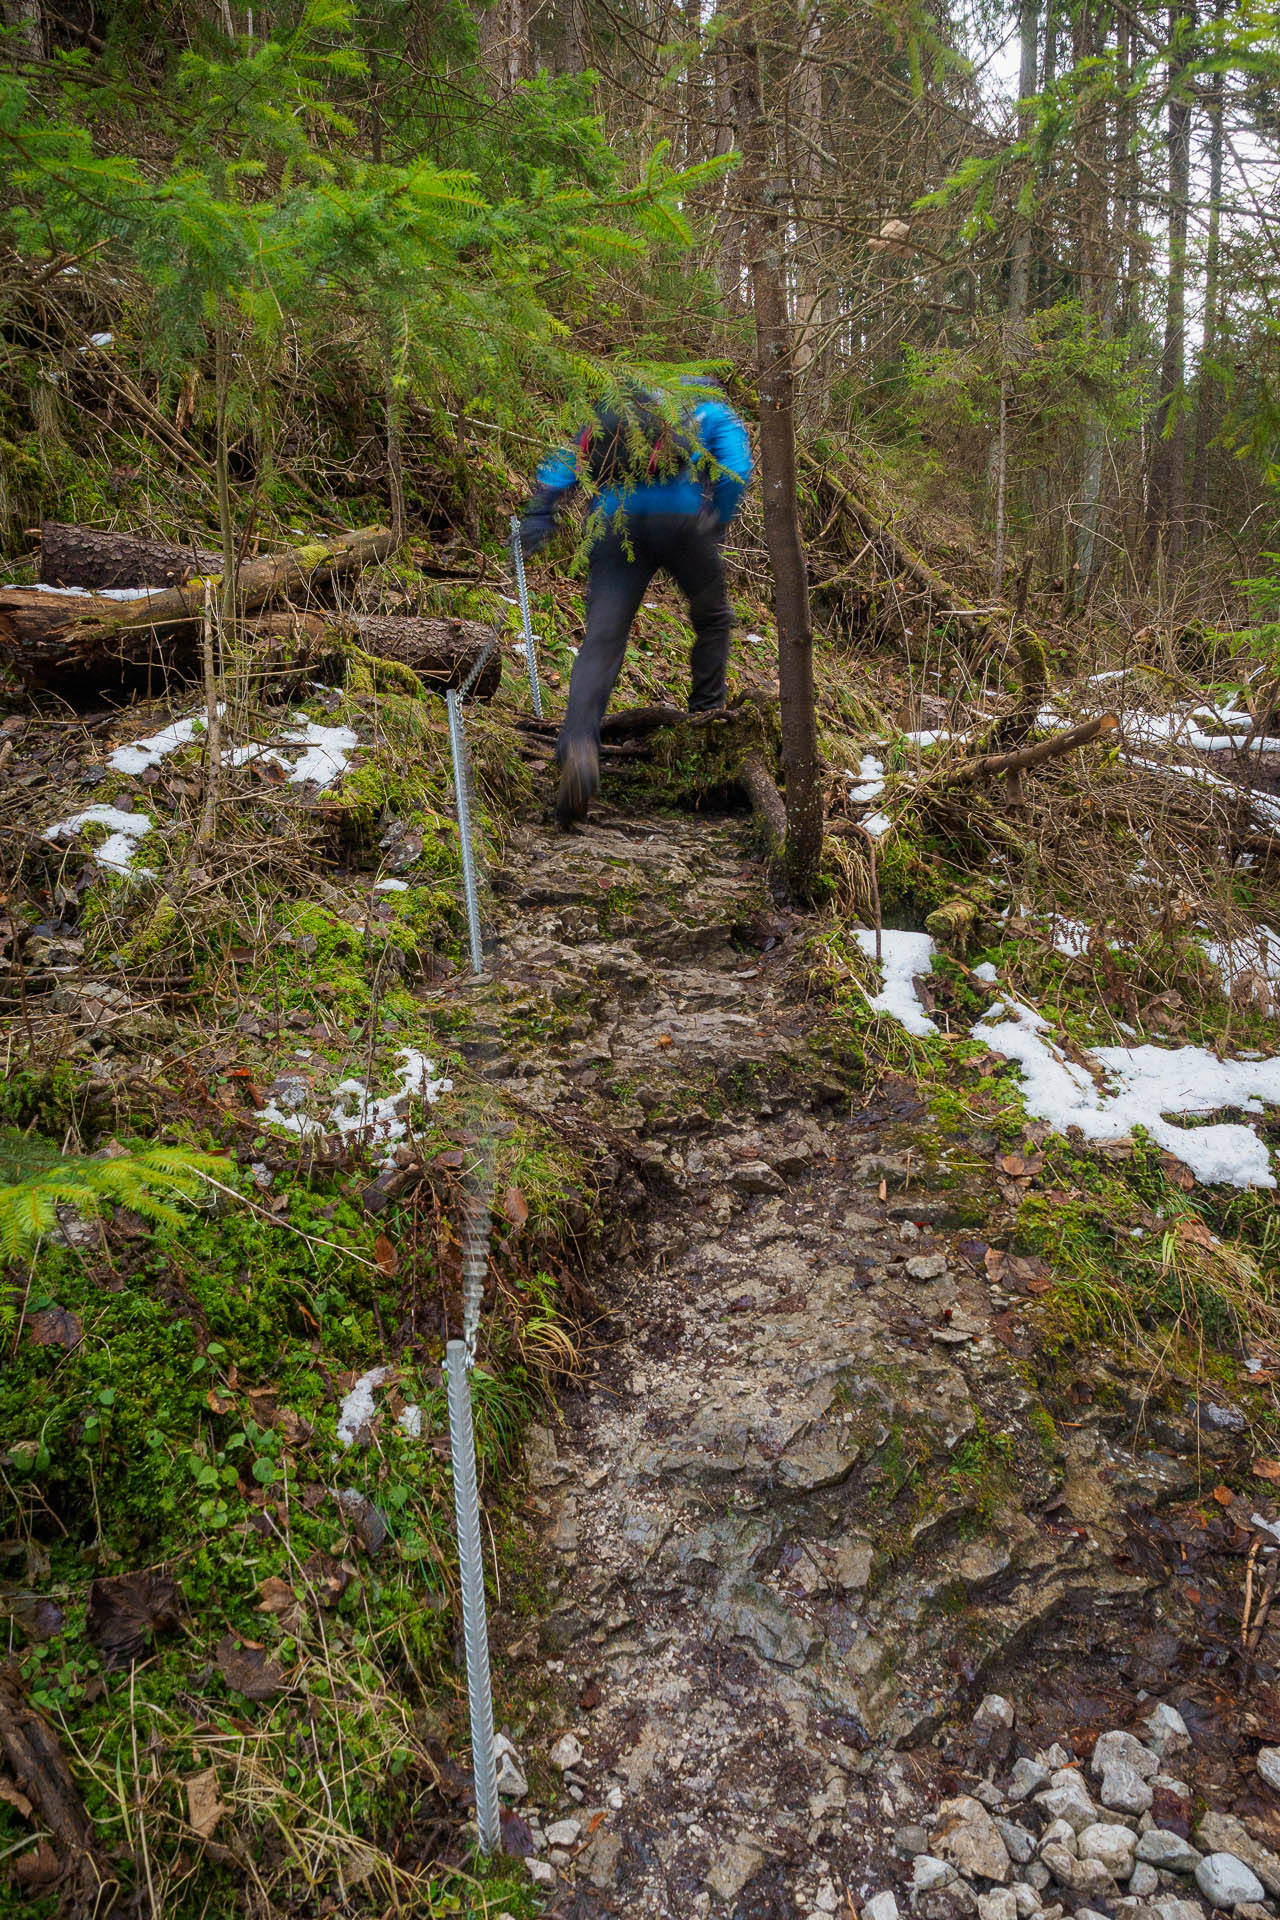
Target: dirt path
x: 806, y: 1506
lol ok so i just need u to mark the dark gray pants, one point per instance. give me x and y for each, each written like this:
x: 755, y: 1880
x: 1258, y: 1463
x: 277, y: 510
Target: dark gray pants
x: 618, y: 574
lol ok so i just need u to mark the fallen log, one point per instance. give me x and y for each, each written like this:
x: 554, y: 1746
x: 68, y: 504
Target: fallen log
x: 990, y: 766
x: 440, y: 651
x: 98, y: 557
x: 49, y: 636
x: 44, y: 1792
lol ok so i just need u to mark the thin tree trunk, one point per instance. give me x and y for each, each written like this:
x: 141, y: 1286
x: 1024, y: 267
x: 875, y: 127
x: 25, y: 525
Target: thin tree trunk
x: 27, y: 21
x: 1206, y: 384
x: 212, y: 731
x: 222, y: 389
x: 1168, y: 463
x: 775, y: 351
x: 392, y: 401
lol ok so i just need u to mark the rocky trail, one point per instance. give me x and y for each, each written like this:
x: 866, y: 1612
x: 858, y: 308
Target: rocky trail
x: 810, y: 1504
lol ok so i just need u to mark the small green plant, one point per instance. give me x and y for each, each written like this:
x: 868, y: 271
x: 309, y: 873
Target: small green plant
x: 38, y: 1179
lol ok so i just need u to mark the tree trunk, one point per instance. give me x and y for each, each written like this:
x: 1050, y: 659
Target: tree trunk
x: 1206, y: 384
x: 48, y: 636
x: 440, y: 651
x: 97, y: 557
x: 27, y: 21
x: 504, y: 43
x: 776, y: 373
x: 1168, y: 463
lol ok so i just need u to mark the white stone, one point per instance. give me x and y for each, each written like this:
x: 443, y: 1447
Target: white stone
x: 1059, y: 1833
x: 735, y: 1866
x: 1020, y: 1843
x: 882, y: 1906
x: 1028, y: 1777
x: 541, y: 1872
x: 1179, y: 1909
x: 999, y: 1904
x: 1112, y: 1749
x: 1061, y: 1864
x: 1054, y: 1756
x: 1168, y: 1730
x: 1069, y: 1803
x: 966, y: 1836
x: 995, y: 1710
x: 1168, y: 1851
x: 1226, y: 1881
x: 1089, y: 1913
x: 928, y: 1872
x: 1143, y: 1881
x: 564, y: 1833
x: 615, y: 1798
x: 566, y: 1753
x: 1124, y: 1790
x: 826, y: 1899
x: 1268, y: 1765
x: 1025, y: 1899
x: 512, y: 1784
x: 1113, y: 1845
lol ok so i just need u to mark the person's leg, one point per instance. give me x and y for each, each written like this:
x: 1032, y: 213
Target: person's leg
x: 696, y: 564
x: 616, y: 582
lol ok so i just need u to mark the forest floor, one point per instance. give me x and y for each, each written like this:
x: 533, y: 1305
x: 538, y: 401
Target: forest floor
x: 851, y: 1349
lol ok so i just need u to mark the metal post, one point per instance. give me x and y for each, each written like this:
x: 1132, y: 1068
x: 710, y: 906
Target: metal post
x: 475, y: 1632
x: 462, y: 795
x: 522, y: 594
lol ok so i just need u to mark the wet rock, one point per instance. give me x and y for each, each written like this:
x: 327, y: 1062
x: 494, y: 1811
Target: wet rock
x: 912, y: 1840
x: 928, y: 1872
x: 1114, y: 1846
x: 566, y: 1753
x: 995, y: 1710
x: 1021, y: 1845
x: 966, y: 1835
x: 1028, y: 1777
x: 1268, y: 1765
x: 1121, y: 1749
x: 733, y: 1868
x: 932, y: 1266
x: 1167, y: 1730
x: 882, y: 1906
x: 999, y: 1904
x: 1124, y: 1790
x: 1223, y: 1833
x: 1226, y: 1881
x: 1168, y: 1851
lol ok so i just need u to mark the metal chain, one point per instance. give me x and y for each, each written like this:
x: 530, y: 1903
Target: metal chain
x: 522, y: 594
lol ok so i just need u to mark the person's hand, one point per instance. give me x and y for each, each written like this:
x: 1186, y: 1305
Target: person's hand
x: 708, y: 520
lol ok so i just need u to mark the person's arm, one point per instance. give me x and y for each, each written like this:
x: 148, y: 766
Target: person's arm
x: 725, y: 439
x: 557, y: 478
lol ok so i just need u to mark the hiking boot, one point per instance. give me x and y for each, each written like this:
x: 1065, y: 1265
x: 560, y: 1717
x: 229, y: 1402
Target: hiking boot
x: 579, y: 780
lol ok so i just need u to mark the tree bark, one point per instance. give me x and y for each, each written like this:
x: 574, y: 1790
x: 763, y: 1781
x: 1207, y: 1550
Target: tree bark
x: 97, y: 557
x: 775, y: 355
x: 989, y: 766
x: 440, y: 651
x: 1206, y: 384
x: 48, y: 636
x: 1168, y: 465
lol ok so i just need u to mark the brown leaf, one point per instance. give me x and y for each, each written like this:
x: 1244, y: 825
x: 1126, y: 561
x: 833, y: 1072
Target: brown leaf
x: 1189, y: 1228
x: 38, y: 1869
x: 1223, y: 1496
x: 515, y: 1206
x: 327, y: 1578
x: 1020, y: 1168
x: 993, y: 1261
x: 204, y: 1808
x: 125, y: 1610
x: 15, y: 1799
x: 277, y: 1595
x: 1267, y: 1469
x: 54, y: 1327
x: 884, y: 1189
x: 386, y: 1256
x: 247, y: 1670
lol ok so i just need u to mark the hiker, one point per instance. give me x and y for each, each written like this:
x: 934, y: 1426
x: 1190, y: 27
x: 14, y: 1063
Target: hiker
x: 665, y: 491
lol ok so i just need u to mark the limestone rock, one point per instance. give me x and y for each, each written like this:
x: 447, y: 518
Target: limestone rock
x: 1226, y: 1881
x: 756, y: 1176
x: 1113, y: 1845
x: 999, y: 1904
x: 1223, y: 1833
x: 954, y: 1901
x: 1268, y: 1765
x: 1143, y: 1881
x: 882, y: 1906
x: 1069, y: 1803
x: 563, y: 1833
x: 512, y: 1784
x: 733, y: 1868
x: 1115, y: 1749
x: 1124, y: 1790
x: 911, y: 1840
x: 1168, y: 1730
x: 541, y: 1872
x: 1026, y: 1900
x: 966, y: 1836
x: 1028, y: 1777
x: 1021, y: 1845
x: 995, y: 1710
x: 932, y: 1266
x: 1168, y: 1851
x: 566, y: 1753
x: 1060, y: 1833
x: 928, y: 1872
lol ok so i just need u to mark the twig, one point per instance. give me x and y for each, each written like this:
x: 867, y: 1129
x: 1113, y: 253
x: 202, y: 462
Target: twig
x: 274, y: 1220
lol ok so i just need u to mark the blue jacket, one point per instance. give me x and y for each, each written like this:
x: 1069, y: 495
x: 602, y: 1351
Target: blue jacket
x: 719, y: 430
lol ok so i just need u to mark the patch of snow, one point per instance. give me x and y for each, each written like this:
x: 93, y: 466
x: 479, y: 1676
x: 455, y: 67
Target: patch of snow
x: 871, y: 776
x: 358, y: 1409
x: 325, y: 754
x: 1251, y: 960
x: 755, y: 639
x: 391, y: 886
x: 411, y: 1420
x: 98, y: 340
x: 85, y: 593
x: 1071, y: 937
x: 903, y: 956
x: 986, y: 971
x: 1152, y: 729
x: 1116, y: 673
x: 149, y: 752
x: 355, y: 1110
x: 1150, y: 1082
x: 876, y: 823
x: 117, y: 850
x: 930, y: 736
